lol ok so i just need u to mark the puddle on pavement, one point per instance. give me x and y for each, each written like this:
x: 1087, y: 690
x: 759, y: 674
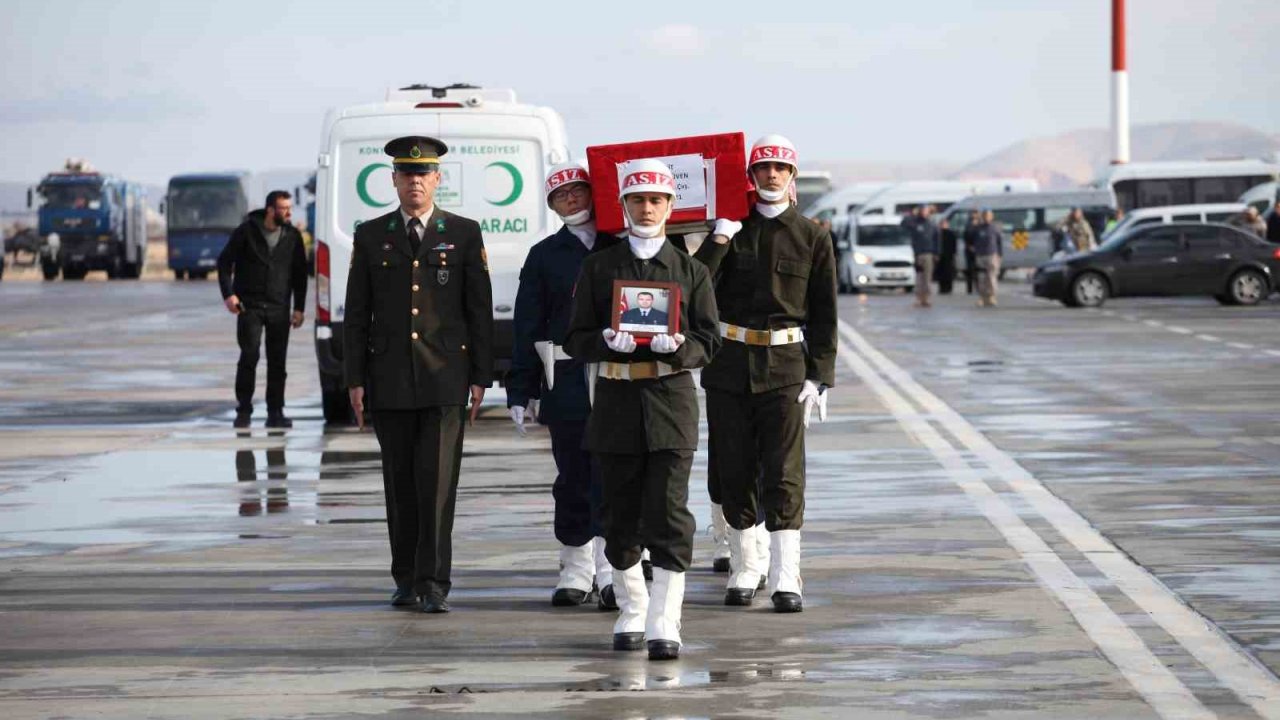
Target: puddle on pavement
x: 193, y: 497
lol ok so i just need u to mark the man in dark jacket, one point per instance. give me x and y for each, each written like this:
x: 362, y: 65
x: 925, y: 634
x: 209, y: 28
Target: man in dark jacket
x: 776, y: 294
x: 643, y: 428
x: 1273, y: 223
x: 419, y: 339
x: 946, y: 269
x: 925, y: 243
x: 262, y: 267
x: 544, y: 382
x: 988, y: 250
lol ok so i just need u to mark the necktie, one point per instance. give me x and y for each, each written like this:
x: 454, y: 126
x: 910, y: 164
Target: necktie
x: 414, y: 240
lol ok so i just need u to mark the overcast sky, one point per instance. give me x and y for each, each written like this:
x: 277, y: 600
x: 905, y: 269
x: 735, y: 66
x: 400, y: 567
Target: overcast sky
x: 150, y: 89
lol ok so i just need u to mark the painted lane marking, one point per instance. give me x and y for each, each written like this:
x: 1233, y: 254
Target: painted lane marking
x: 1240, y: 346
x: 1157, y: 685
x: 1208, y: 338
x: 1179, y: 330
x: 1274, y: 352
x: 1252, y: 682
x: 1152, y: 323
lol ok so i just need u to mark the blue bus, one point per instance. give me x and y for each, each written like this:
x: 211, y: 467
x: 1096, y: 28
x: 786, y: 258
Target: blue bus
x: 90, y: 221
x: 201, y: 211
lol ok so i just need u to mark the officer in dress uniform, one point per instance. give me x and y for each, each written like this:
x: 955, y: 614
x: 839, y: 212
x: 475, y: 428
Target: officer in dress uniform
x: 643, y: 427
x: 776, y: 292
x: 546, y: 383
x: 418, y: 346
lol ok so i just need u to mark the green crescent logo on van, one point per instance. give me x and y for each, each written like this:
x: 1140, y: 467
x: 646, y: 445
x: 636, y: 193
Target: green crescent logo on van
x: 517, y: 183
x: 362, y: 185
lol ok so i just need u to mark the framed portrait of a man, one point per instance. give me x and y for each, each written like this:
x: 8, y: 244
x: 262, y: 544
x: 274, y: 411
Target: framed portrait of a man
x: 646, y: 308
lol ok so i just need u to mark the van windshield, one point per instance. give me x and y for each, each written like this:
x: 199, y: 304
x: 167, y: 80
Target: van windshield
x: 883, y: 235
x: 206, y: 205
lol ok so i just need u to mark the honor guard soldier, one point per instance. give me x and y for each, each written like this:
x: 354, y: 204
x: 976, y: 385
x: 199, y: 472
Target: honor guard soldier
x: 776, y: 292
x: 546, y: 383
x: 418, y: 346
x: 643, y: 427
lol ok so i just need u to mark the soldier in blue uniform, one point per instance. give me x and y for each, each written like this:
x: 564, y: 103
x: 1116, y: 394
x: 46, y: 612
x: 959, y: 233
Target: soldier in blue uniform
x: 418, y: 346
x: 545, y: 382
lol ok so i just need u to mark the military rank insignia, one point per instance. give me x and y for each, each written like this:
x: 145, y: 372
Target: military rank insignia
x: 439, y: 225
x: 442, y: 276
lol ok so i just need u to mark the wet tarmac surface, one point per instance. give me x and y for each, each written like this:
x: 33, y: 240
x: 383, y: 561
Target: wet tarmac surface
x: 156, y: 563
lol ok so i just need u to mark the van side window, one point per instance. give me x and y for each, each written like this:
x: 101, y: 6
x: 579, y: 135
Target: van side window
x: 1054, y: 216
x: 1186, y: 217
x: 1218, y: 216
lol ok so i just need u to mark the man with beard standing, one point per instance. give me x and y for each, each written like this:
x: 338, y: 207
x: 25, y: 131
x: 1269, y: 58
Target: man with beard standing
x: 776, y: 293
x: 418, y: 345
x: 261, y: 268
x: 546, y: 383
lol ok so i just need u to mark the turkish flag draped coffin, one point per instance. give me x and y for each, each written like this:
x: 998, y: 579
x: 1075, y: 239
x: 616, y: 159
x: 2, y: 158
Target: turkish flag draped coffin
x: 710, y: 171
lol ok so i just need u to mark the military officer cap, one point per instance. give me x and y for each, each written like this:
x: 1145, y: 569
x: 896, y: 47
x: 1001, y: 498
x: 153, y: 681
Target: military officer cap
x: 416, y: 153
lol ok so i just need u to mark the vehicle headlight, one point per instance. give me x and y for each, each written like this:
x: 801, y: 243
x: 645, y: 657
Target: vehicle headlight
x: 861, y: 258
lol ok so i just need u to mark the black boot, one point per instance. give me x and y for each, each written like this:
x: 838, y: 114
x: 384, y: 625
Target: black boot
x: 739, y: 597
x: 568, y: 597
x: 628, y: 641
x: 242, y: 419
x: 278, y: 420
x: 607, y: 599
x: 663, y: 650
x: 787, y: 602
x: 721, y: 565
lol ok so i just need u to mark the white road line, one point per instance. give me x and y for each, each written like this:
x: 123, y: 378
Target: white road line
x: 1208, y: 338
x: 1253, y: 683
x: 1152, y: 323
x: 1161, y: 689
x: 1179, y: 330
x: 1274, y: 352
x: 1241, y: 346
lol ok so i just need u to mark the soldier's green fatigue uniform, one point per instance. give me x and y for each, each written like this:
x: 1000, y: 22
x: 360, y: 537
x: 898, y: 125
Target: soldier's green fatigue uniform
x: 644, y: 432
x: 778, y: 273
x: 419, y: 333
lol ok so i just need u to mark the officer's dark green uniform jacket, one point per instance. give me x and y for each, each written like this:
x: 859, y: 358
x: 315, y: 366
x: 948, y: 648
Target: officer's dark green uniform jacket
x: 778, y: 273
x: 419, y: 330
x: 636, y: 416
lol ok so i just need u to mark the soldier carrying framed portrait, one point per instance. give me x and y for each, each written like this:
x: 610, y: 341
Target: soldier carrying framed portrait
x: 646, y: 308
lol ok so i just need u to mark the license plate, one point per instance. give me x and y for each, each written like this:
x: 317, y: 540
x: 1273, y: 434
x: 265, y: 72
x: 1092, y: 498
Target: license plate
x: 893, y: 276
x: 209, y: 262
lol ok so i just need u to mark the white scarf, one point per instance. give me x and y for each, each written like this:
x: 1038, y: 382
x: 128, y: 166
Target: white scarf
x: 772, y: 211
x: 645, y: 248
x: 586, y: 232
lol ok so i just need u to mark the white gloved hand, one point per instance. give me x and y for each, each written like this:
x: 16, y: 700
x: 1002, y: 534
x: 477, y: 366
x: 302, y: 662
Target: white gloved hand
x: 726, y: 228
x: 811, y: 397
x: 517, y: 417
x: 531, y: 410
x: 666, y: 344
x: 619, y: 341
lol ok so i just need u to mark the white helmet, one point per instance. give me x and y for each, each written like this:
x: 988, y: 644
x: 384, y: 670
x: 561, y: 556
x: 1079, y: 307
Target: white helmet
x: 563, y: 174
x: 645, y: 176
x: 774, y: 148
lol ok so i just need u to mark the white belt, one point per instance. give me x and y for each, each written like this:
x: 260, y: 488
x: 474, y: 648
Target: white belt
x: 550, y: 353
x: 647, y: 370
x: 785, y: 336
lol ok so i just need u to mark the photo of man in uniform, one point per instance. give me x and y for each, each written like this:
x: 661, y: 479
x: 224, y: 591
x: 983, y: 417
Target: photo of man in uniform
x: 644, y: 317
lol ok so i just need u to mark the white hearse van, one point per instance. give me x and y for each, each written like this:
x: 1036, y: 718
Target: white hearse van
x: 902, y: 198
x: 499, y: 150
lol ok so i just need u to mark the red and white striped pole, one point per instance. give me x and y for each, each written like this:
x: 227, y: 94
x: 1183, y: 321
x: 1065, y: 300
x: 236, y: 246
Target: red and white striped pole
x: 1119, y: 87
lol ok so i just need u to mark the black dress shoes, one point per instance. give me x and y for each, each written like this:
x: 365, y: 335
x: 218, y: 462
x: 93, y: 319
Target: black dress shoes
x: 663, y: 650
x: 607, y: 600
x: 787, y: 602
x: 739, y: 597
x: 403, y: 597
x: 568, y: 597
x: 279, y: 421
x: 628, y: 641
x: 241, y: 421
x: 434, y: 604
x: 721, y: 565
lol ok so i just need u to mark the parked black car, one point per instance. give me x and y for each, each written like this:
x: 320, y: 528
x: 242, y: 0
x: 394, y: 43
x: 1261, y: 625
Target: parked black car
x: 1174, y: 259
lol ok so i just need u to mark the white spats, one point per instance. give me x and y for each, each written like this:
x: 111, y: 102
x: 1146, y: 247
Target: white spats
x: 784, y: 565
x: 577, y: 567
x: 604, y: 571
x: 666, y: 598
x: 633, y: 599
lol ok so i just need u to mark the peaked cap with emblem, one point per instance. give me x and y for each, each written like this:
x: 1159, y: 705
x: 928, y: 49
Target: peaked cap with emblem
x: 415, y: 153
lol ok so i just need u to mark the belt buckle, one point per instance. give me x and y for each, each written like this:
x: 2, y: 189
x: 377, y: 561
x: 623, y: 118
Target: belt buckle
x: 733, y: 332
x: 758, y: 337
x: 646, y: 370
x: 613, y: 371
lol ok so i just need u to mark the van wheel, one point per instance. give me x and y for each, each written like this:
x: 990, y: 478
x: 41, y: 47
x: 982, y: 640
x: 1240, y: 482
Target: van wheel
x: 1247, y: 287
x: 198, y: 274
x: 1090, y: 289
x: 74, y: 272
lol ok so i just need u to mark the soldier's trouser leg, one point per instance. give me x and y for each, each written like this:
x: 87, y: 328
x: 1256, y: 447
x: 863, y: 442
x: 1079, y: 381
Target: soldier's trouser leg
x: 249, y: 326
x: 763, y: 434
x: 572, y: 488
x: 421, y: 457
x: 646, y: 505
x: 277, y: 327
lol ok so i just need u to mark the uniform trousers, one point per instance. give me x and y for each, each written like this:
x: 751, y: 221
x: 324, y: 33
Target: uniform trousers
x: 757, y: 447
x: 577, y: 489
x: 250, y: 325
x: 421, y: 457
x: 646, y: 505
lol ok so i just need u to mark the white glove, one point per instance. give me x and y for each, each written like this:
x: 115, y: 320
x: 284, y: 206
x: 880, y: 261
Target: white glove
x: 726, y: 228
x: 619, y: 341
x: 664, y: 343
x: 811, y: 397
x: 531, y: 410
x: 519, y: 415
